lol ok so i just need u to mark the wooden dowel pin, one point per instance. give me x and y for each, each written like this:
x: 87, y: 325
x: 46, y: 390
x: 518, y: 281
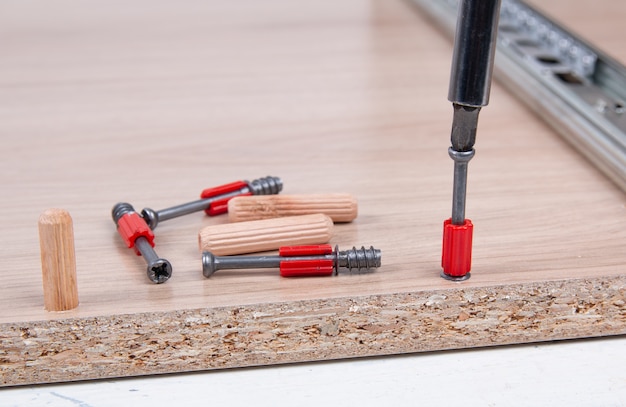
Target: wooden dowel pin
x: 340, y: 207
x: 267, y: 234
x: 58, y: 260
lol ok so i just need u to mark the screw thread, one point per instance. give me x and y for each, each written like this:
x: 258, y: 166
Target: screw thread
x: 358, y: 258
x: 266, y: 186
x: 121, y: 209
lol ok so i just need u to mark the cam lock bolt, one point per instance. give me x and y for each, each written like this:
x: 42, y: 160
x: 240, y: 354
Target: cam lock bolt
x: 298, y: 261
x: 214, y: 201
x: 137, y: 234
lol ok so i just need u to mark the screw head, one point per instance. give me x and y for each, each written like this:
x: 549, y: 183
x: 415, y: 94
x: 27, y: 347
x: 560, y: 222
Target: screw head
x: 151, y: 217
x: 159, y: 271
x: 209, y: 265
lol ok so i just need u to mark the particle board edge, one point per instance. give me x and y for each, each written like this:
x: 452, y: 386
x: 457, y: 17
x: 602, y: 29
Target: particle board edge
x: 309, y: 330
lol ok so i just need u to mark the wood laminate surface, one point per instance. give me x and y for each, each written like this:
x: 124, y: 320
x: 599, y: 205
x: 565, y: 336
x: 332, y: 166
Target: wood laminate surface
x: 151, y: 102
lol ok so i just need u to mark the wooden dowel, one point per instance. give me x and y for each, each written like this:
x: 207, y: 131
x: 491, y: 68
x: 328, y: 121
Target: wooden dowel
x: 267, y: 234
x: 340, y: 207
x: 58, y: 260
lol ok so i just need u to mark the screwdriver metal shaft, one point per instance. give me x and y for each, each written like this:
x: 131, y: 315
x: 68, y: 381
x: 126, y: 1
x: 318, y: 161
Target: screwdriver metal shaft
x: 470, y: 81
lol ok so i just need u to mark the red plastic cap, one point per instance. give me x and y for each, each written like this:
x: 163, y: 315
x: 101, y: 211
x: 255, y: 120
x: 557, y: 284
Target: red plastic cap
x: 456, y: 256
x: 131, y: 226
x: 310, y: 250
x: 220, y: 206
x: 306, y: 268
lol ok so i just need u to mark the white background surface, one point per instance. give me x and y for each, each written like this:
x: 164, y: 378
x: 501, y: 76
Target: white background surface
x: 569, y: 373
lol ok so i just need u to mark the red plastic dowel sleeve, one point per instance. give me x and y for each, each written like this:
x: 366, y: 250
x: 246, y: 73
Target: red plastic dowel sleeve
x: 221, y: 206
x: 456, y: 256
x: 131, y: 226
x: 311, y: 250
x: 306, y: 268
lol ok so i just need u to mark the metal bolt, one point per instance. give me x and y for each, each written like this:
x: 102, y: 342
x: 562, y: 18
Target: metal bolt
x: 138, y: 235
x: 459, y: 191
x: 298, y: 261
x: 214, y: 196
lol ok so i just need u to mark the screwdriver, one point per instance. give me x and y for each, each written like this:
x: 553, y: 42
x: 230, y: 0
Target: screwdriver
x: 470, y: 82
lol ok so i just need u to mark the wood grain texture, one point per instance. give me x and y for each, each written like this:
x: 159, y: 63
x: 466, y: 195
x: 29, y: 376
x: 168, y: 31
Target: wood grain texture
x: 151, y: 102
x: 266, y: 234
x: 58, y: 260
x: 339, y: 207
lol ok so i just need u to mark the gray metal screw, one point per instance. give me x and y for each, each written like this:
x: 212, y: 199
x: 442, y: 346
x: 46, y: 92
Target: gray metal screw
x: 159, y: 270
x: 341, y: 260
x: 262, y: 186
x: 461, y: 159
